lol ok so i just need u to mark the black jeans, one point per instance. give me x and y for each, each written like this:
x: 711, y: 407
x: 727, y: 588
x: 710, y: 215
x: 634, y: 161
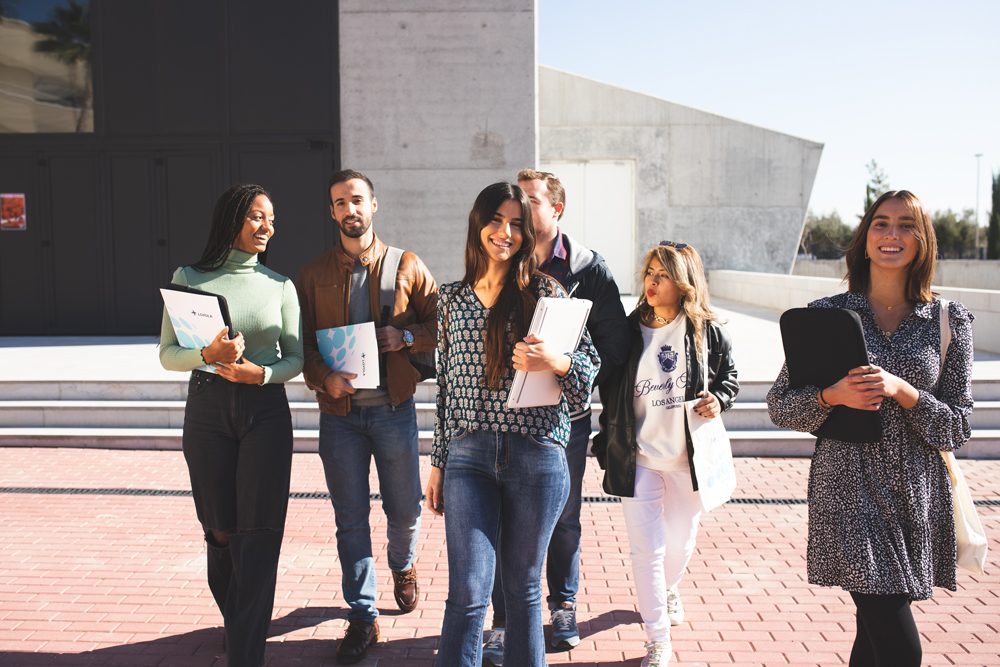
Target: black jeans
x: 238, y: 447
x: 887, y: 633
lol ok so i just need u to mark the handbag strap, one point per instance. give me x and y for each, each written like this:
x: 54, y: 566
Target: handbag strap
x: 945, y: 331
x: 943, y: 316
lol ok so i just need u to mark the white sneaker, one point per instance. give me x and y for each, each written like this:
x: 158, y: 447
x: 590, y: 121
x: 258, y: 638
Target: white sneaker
x: 493, y: 648
x: 675, y: 608
x: 657, y: 654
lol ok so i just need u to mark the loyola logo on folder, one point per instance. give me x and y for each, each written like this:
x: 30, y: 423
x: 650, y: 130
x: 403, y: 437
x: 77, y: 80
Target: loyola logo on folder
x: 352, y: 349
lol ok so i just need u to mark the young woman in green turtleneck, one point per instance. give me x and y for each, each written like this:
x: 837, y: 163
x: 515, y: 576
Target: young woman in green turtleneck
x: 237, y: 426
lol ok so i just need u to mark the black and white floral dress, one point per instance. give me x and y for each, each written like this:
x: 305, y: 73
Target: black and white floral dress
x: 880, y: 514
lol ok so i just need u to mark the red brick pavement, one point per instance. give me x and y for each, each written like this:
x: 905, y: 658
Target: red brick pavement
x: 119, y: 580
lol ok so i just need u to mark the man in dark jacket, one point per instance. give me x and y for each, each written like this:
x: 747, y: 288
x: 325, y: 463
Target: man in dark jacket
x: 584, y: 275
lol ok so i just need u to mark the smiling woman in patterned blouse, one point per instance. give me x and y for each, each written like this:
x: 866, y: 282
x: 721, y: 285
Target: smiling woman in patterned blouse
x: 880, y: 514
x: 506, y: 480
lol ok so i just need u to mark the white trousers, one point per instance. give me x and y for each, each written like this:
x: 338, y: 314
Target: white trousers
x: 662, y: 523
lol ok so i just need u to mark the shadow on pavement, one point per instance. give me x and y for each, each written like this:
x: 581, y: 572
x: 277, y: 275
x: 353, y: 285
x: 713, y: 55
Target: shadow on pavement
x: 203, y: 648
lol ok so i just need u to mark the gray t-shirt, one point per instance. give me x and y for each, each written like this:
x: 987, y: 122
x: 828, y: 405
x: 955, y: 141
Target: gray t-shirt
x: 360, y: 310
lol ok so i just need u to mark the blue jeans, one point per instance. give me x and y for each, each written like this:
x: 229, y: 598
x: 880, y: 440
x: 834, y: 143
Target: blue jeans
x: 562, y: 567
x: 346, y: 445
x: 506, y: 489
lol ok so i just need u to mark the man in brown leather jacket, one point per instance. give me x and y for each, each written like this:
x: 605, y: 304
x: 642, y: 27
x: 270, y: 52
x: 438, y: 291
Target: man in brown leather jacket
x: 338, y: 288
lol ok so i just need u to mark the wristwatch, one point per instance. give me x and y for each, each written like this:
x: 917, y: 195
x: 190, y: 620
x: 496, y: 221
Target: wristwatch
x: 407, y: 338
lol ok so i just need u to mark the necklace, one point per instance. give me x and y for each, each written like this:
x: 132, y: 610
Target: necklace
x: 884, y: 329
x: 660, y: 320
x: 885, y: 306
x: 887, y: 330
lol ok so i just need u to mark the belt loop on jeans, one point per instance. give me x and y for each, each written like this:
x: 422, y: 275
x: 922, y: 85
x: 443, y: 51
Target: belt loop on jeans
x: 205, y: 375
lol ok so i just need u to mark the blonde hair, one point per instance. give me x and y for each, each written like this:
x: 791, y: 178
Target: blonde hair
x: 687, y: 273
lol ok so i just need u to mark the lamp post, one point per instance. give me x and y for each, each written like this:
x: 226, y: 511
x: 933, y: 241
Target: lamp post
x: 978, y: 161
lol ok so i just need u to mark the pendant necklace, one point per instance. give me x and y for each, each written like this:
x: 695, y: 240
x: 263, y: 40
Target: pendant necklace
x: 878, y: 320
x: 895, y: 305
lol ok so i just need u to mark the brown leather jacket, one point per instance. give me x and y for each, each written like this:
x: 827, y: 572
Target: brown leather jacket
x: 324, y: 287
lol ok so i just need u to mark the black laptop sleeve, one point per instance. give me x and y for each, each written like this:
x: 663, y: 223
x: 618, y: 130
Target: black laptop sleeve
x: 821, y: 346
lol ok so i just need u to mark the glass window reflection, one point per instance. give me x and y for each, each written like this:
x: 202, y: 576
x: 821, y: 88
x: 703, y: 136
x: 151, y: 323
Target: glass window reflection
x: 45, y: 72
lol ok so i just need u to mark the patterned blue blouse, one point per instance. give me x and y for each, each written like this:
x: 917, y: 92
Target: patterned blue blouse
x: 465, y: 402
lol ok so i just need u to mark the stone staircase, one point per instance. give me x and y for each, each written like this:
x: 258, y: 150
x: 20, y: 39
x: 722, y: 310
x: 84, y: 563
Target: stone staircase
x: 150, y: 415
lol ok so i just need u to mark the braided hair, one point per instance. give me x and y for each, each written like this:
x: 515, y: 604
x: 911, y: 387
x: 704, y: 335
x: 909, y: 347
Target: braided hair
x: 227, y: 222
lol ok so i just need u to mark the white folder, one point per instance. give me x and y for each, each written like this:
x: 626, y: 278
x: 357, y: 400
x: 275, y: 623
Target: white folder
x: 197, y: 317
x: 558, y: 322
x: 352, y: 349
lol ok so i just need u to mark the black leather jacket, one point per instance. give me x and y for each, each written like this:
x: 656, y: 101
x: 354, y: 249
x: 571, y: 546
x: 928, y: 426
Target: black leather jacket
x: 590, y: 278
x: 615, y: 446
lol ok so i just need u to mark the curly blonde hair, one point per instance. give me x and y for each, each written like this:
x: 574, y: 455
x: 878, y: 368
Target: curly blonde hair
x: 687, y: 273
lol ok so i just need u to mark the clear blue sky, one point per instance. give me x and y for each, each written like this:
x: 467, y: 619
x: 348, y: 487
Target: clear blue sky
x: 914, y: 85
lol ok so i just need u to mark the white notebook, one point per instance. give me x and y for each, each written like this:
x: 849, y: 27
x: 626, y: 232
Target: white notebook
x: 559, y: 322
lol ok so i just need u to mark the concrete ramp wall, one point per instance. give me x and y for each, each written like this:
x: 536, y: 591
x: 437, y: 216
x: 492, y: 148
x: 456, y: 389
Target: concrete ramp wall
x: 964, y: 273
x: 735, y: 191
x: 782, y: 292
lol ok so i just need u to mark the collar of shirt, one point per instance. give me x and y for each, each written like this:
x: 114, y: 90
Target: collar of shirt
x: 556, y: 264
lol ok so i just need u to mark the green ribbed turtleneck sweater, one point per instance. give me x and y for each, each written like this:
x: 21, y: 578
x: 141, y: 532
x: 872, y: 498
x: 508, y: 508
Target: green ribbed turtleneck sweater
x: 264, y: 307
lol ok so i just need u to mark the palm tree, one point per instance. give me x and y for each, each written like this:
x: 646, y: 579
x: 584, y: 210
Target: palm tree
x: 67, y: 37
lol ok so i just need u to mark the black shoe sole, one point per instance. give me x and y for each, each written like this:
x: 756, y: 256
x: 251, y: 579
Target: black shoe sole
x: 350, y: 660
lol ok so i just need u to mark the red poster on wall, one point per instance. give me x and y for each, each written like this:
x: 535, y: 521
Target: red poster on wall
x: 12, y: 215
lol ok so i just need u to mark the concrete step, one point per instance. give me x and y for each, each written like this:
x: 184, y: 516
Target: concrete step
x: 305, y: 415
x: 751, y: 391
x: 984, y: 443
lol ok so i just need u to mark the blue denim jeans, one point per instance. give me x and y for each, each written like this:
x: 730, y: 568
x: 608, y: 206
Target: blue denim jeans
x: 506, y: 489
x: 562, y: 566
x: 346, y: 445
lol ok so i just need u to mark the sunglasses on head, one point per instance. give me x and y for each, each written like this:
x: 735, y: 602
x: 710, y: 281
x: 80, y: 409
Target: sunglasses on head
x: 675, y: 246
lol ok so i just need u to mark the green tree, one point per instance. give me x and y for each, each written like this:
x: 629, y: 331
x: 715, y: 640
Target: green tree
x: 956, y: 233
x: 66, y: 36
x: 825, y: 237
x: 878, y: 184
x: 993, y: 235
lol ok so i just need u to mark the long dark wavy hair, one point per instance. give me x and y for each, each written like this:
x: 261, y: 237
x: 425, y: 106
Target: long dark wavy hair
x: 518, y: 296
x: 227, y: 222
x: 918, y: 284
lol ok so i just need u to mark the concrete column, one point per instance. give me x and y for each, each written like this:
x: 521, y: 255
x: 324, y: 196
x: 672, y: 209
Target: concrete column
x: 437, y: 100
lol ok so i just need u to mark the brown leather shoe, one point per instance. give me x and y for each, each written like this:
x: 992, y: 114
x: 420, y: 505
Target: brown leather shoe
x: 359, y: 636
x: 406, y: 591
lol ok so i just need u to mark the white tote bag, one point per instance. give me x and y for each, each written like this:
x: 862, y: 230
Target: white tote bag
x: 713, y: 455
x: 970, y: 538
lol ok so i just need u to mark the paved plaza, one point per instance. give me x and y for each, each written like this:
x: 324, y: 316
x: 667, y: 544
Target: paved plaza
x: 112, y: 579
x: 117, y: 576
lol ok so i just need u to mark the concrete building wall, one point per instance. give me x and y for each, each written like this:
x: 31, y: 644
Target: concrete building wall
x: 781, y: 292
x: 967, y: 273
x: 736, y: 192
x: 438, y: 100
